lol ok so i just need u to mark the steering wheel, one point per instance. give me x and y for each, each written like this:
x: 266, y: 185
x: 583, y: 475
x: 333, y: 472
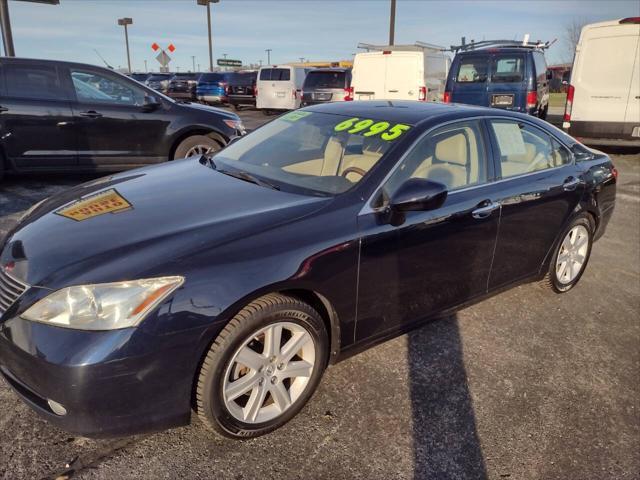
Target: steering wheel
x: 357, y: 170
x: 539, y: 158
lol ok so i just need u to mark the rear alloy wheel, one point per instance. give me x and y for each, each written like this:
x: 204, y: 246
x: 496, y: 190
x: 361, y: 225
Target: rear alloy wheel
x: 571, y: 256
x: 196, y: 145
x: 262, y: 368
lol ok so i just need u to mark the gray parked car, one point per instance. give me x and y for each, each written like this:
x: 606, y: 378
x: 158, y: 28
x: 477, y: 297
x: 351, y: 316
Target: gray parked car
x: 327, y: 85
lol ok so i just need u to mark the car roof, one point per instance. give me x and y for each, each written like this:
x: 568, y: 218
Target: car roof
x: 401, y: 111
x: 330, y: 69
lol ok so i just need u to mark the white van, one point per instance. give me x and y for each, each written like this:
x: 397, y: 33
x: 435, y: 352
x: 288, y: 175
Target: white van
x: 279, y: 87
x: 603, y: 100
x: 400, y: 75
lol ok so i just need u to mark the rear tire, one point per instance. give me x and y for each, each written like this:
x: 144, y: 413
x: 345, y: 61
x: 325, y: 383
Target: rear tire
x: 571, y: 256
x: 543, y: 112
x: 196, y: 145
x: 248, y: 385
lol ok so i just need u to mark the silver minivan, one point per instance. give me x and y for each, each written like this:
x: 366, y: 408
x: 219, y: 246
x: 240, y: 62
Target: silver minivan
x: 327, y: 85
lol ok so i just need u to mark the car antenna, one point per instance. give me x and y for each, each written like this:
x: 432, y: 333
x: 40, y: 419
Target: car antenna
x: 102, y: 58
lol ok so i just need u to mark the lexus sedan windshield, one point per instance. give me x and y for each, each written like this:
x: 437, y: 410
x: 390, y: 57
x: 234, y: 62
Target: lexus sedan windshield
x: 316, y: 152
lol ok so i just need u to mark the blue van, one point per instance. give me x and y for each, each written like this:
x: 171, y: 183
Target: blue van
x: 512, y: 77
x: 212, y: 87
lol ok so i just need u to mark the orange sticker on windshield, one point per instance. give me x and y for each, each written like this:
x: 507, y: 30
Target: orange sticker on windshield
x: 109, y: 201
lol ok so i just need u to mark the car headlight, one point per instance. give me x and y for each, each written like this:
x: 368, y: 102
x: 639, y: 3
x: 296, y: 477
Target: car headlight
x: 237, y: 124
x: 102, y: 306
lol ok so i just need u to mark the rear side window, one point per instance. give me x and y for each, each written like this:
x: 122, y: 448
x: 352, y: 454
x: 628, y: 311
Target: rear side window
x: 325, y: 80
x: 40, y: 82
x: 472, y: 70
x: 508, y: 69
x: 526, y: 149
x: 275, y: 74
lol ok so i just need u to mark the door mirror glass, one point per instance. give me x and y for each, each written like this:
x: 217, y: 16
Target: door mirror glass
x: 417, y: 194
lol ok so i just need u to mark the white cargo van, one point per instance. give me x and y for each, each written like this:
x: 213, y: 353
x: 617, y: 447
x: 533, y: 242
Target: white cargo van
x: 279, y: 87
x: 603, y: 100
x: 400, y: 75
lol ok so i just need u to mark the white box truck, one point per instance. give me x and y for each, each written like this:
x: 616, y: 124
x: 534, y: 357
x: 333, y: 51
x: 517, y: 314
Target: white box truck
x: 603, y: 99
x: 397, y: 73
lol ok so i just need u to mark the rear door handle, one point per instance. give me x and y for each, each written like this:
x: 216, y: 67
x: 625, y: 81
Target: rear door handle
x: 90, y: 114
x: 571, y: 184
x: 486, y: 210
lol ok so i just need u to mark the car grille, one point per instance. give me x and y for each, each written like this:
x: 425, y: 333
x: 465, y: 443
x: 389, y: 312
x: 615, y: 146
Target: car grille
x: 10, y: 290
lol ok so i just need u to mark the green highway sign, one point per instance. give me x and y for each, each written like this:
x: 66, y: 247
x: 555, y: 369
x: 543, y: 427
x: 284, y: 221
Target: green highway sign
x: 226, y: 62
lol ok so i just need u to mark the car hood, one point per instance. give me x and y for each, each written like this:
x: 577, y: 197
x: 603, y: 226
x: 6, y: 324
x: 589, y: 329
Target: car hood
x: 207, y: 108
x: 142, y: 221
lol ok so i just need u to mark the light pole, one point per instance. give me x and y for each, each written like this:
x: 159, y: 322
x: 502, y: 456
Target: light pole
x: 145, y: 67
x: 301, y: 59
x: 193, y: 59
x: 207, y: 3
x: 5, y: 24
x: 268, y: 50
x: 124, y: 22
x: 392, y: 22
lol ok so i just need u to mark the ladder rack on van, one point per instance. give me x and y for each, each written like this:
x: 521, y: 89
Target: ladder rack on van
x: 463, y: 47
x: 415, y: 47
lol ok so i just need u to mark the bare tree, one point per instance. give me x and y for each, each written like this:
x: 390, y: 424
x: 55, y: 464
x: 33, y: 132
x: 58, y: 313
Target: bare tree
x: 571, y: 38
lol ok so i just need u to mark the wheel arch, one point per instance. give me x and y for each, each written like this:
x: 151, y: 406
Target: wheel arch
x: 198, y: 130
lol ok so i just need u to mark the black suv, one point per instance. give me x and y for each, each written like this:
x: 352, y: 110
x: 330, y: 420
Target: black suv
x: 183, y: 86
x: 70, y: 116
x: 241, y: 89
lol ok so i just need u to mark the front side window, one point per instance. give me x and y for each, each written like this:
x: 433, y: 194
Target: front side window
x: 472, y: 70
x: 92, y: 87
x: 525, y: 149
x: 453, y: 155
x: 312, y: 152
x: 39, y: 82
x: 508, y: 69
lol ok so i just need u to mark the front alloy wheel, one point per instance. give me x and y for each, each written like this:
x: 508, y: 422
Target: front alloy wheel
x: 263, y: 367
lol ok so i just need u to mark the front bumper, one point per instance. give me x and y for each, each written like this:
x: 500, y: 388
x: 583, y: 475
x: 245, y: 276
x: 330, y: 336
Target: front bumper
x: 111, y: 383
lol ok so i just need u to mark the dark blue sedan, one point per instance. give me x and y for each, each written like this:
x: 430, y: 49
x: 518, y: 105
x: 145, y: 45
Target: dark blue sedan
x: 227, y: 284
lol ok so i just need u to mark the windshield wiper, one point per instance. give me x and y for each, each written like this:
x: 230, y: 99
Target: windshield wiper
x: 247, y: 177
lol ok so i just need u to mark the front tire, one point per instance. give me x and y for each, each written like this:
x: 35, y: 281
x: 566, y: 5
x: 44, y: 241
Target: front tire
x: 571, y: 255
x: 262, y: 368
x: 196, y: 145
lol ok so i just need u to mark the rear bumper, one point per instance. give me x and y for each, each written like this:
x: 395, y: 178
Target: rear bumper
x: 604, y: 133
x: 188, y: 95
x: 112, y: 383
x: 211, y: 98
x: 241, y: 100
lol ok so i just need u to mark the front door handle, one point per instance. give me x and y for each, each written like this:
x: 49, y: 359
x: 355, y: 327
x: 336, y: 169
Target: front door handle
x: 486, y: 210
x: 91, y: 114
x: 570, y: 184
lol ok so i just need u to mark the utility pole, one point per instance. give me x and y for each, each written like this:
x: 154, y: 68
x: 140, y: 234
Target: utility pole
x: 268, y: 50
x: 124, y: 22
x: 145, y: 67
x: 301, y: 59
x: 5, y: 24
x: 208, y: 3
x: 392, y: 22
x: 193, y: 59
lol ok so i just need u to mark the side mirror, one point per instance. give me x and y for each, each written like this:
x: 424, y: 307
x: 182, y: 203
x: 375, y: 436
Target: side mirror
x: 417, y: 194
x: 151, y: 103
x: 549, y: 74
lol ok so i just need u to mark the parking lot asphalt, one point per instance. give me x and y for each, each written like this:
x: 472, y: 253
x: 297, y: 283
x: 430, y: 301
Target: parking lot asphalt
x: 525, y: 385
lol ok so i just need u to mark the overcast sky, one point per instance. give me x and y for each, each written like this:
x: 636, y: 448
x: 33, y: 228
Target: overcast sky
x: 313, y: 29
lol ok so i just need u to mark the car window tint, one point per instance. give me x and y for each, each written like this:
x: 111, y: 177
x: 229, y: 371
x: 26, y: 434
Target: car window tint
x: 325, y: 80
x: 472, y: 70
x: 275, y: 74
x: 525, y: 149
x: 508, y: 69
x: 453, y: 155
x: 93, y: 87
x: 242, y: 79
x: 33, y: 81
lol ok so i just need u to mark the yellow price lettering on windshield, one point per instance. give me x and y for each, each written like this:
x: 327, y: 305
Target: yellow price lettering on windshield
x: 371, y: 128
